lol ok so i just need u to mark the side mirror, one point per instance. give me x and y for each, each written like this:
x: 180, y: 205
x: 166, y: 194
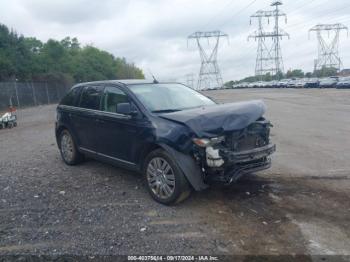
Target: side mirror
x: 126, y: 109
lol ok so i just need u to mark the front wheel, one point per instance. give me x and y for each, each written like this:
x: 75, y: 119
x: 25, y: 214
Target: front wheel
x: 165, y: 181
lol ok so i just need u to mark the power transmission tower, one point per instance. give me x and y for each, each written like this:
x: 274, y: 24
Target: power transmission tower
x: 264, y: 59
x: 328, y: 53
x: 190, y: 80
x: 269, y: 57
x: 209, y: 73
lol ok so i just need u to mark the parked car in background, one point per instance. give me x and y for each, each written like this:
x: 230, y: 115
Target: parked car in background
x: 274, y: 84
x: 299, y: 83
x: 343, y: 83
x: 249, y: 85
x: 176, y: 137
x: 311, y: 83
x: 328, y: 82
x: 283, y: 83
x: 291, y: 83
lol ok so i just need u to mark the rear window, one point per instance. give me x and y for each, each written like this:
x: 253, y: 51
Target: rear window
x: 71, y: 98
x: 90, y: 97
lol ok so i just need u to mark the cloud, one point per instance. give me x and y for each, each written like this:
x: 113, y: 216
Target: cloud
x: 68, y: 12
x: 152, y: 33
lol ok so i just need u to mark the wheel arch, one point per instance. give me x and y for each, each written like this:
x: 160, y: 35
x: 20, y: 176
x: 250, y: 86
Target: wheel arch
x: 148, y: 148
x: 59, y: 131
x: 185, y: 162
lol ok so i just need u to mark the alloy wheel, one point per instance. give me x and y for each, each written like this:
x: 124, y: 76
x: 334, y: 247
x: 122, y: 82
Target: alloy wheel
x: 160, y: 178
x: 67, y: 147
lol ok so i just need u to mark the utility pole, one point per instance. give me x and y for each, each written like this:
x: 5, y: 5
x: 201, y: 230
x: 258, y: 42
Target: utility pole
x: 33, y: 92
x: 269, y: 57
x: 190, y: 80
x: 47, y: 93
x: 328, y: 51
x: 16, y: 92
x: 209, y: 73
x: 276, y: 39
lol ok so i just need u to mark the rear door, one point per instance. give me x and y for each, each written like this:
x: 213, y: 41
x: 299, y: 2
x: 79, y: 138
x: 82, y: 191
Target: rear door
x: 85, y: 117
x: 67, y: 109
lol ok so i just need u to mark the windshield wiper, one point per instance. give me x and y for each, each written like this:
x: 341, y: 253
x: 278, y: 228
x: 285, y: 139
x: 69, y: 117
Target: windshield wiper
x: 166, y: 111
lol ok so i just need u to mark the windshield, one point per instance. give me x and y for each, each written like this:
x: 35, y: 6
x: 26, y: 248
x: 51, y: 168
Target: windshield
x: 169, y: 97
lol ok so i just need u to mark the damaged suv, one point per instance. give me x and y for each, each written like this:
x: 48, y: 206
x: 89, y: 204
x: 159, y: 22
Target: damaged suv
x: 176, y: 137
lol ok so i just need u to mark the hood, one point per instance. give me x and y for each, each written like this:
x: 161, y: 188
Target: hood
x: 214, y: 120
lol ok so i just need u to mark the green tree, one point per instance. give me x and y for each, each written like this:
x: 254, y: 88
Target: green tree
x: 30, y: 59
x: 308, y: 75
x: 325, y: 72
x: 267, y: 77
x: 8, y: 42
x: 298, y: 73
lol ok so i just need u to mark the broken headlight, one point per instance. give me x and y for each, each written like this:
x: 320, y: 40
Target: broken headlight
x: 205, y: 142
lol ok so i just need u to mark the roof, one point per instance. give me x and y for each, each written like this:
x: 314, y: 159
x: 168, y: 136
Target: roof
x: 120, y: 81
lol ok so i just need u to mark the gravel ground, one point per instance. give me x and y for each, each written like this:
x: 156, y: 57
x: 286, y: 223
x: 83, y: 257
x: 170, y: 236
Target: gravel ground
x: 300, y: 206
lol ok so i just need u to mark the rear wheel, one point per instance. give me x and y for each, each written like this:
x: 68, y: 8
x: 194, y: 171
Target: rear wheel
x: 68, y: 149
x: 165, y: 181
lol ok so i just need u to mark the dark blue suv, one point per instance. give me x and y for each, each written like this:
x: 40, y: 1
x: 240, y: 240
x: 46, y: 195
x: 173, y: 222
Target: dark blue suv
x: 176, y: 137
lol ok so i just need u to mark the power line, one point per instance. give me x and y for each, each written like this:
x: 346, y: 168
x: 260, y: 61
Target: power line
x: 301, y: 7
x: 225, y: 8
x: 312, y: 21
x: 240, y: 11
x: 308, y: 4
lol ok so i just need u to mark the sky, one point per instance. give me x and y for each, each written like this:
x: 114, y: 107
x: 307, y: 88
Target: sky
x: 153, y: 33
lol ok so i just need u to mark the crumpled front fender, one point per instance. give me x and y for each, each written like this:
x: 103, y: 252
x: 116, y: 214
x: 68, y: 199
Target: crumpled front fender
x: 188, y: 166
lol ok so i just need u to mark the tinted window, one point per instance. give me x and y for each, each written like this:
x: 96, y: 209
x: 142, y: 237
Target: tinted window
x: 90, y: 97
x: 70, y: 99
x: 112, y: 97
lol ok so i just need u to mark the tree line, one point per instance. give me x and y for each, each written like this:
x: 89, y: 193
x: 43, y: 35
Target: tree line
x: 291, y: 73
x: 29, y: 59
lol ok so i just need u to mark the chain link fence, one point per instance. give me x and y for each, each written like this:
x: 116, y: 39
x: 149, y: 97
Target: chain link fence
x: 28, y: 94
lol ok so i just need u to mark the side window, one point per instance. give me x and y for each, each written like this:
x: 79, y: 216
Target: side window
x: 70, y: 99
x: 90, y: 97
x: 112, y: 97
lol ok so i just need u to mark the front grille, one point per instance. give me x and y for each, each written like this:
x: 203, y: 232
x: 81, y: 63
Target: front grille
x: 255, y: 135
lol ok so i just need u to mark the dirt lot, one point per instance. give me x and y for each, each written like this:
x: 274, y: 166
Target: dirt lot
x: 300, y: 206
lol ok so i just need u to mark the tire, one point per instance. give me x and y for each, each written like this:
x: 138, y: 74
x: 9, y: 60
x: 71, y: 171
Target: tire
x: 14, y: 124
x: 68, y: 149
x: 163, y: 178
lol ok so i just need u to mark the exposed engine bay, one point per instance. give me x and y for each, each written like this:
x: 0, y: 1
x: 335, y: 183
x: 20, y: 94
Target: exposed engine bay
x: 228, y: 157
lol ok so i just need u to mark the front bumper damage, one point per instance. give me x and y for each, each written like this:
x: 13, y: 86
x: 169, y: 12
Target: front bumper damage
x: 224, y: 165
x: 247, y: 155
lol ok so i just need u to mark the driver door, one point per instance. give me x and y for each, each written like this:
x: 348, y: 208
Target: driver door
x: 116, y: 132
